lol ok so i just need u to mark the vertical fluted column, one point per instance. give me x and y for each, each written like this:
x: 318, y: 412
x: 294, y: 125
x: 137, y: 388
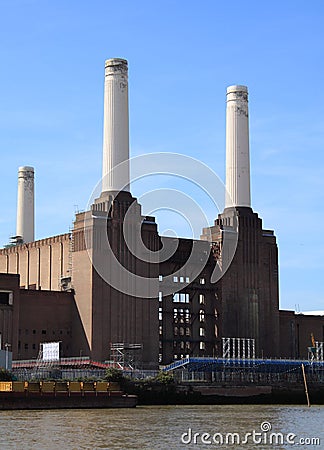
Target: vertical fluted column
x: 116, y: 127
x: 237, y: 147
x: 25, y: 204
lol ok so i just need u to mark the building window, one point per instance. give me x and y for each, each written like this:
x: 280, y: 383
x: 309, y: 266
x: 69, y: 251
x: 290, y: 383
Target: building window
x: 26, y: 346
x: 201, y: 299
x: 160, y: 329
x: 181, y: 330
x: 202, y: 345
x: 160, y: 296
x: 34, y: 331
x: 34, y: 346
x: 160, y: 278
x: 187, y: 345
x: 180, y: 314
x: 43, y: 331
x: 160, y: 357
x: 202, y: 315
x: 187, y: 280
x: 216, y: 331
x: 5, y: 298
x: 202, y: 281
x: 160, y: 313
x: 176, y: 298
x: 175, y: 279
x: 182, y: 345
x: 184, y: 298
x: 181, y: 279
x: 216, y: 313
x: 175, y: 331
x: 187, y: 331
x: 201, y: 331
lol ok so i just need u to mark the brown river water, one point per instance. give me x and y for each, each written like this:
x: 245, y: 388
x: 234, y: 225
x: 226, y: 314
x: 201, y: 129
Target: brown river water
x: 165, y: 427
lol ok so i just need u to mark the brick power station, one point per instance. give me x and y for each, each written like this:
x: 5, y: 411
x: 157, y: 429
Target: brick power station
x: 89, y: 290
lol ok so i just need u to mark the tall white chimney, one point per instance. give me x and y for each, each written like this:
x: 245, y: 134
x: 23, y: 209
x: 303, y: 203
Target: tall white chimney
x: 237, y: 147
x: 25, y: 204
x: 116, y: 126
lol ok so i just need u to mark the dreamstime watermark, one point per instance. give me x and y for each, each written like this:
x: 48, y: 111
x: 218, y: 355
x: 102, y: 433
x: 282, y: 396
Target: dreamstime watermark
x: 107, y: 258
x: 264, y: 436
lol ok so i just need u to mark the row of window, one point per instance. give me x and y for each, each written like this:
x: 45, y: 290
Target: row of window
x: 42, y: 332
x: 182, y: 315
x: 186, y: 331
x: 177, y: 279
x: 181, y: 331
x: 33, y: 346
x: 181, y: 297
x: 181, y: 279
x: 26, y: 346
x: 185, y: 345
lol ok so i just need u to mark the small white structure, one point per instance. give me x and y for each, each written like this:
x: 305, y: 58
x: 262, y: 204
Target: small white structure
x: 116, y: 126
x: 50, y: 351
x: 238, y: 348
x: 237, y: 148
x: 25, y: 204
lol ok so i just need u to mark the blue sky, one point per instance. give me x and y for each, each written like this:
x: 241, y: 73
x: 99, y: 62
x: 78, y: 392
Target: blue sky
x: 182, y: 55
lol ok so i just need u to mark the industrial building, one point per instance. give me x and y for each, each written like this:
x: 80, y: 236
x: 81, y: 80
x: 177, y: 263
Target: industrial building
x: 91, y: 290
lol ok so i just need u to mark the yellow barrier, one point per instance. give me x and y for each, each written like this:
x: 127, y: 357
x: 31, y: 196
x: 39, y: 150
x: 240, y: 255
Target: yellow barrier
x: 33, y: 386
x: 61, y: 386
x: 88, y: 386
x: 18, y: 386
x: 74, y: 386
x: 113, y: 386
x: 5, y: 386
x: 102, y: 386
x: 47, y: 386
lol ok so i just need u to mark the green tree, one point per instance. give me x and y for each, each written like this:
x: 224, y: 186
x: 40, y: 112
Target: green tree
x: 5, y: 375
x: 113, y: 374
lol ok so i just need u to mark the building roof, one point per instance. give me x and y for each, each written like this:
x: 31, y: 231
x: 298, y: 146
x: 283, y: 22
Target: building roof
x: 312, y: 313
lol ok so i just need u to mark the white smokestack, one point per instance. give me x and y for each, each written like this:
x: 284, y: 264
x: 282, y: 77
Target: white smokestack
x: 116, y: 126
x: 25, y: 204
x: 237, y: 147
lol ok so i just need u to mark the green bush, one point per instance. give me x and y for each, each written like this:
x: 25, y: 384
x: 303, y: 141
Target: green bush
x: 113, y: 374
x: 164, y: 378
x: 5, y: 375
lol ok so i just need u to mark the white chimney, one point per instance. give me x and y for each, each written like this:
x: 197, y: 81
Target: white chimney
x: 116, y: 126
x: 25, y: 204
x: 237, y: 147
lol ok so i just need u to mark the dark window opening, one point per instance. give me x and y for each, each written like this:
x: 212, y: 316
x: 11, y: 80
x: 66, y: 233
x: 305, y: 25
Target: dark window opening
x: 4, y: 298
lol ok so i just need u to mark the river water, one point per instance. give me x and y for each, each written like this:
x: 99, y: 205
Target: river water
x: 165, y: 427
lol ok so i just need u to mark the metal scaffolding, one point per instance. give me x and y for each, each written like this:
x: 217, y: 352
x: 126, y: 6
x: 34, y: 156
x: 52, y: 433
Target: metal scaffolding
x: 316, y: 353
x: 126, y: 356
x: 238, y: 348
